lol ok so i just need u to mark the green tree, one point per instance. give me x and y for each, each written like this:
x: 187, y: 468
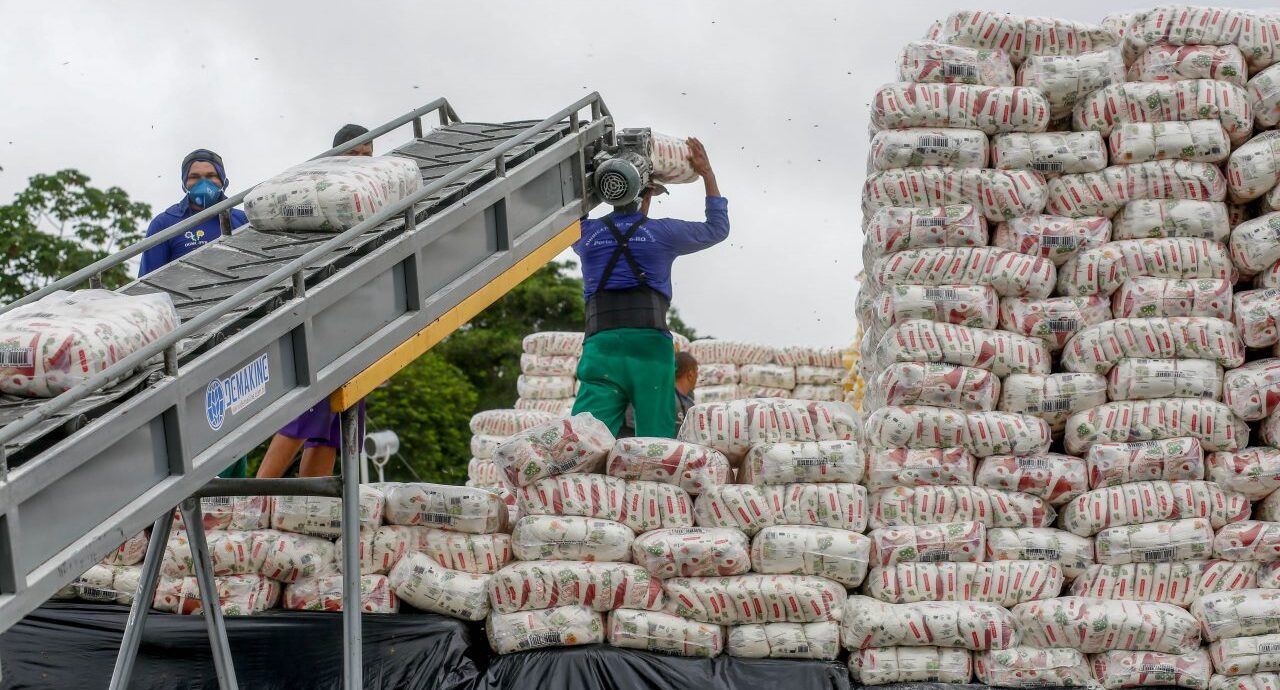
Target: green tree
x: 59, y: 224
x: 429, y: 405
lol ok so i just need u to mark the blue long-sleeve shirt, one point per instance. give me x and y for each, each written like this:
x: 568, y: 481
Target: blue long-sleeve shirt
x: 187, y: 242
x: 655, y: 247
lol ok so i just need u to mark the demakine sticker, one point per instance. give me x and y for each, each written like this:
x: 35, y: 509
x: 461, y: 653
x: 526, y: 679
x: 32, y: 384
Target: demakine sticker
x: 234, y: 393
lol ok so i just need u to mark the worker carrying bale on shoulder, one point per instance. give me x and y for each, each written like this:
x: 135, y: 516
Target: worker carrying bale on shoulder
x: 628, y: 356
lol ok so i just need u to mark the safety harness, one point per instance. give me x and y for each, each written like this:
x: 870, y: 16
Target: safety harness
x: 637, y: 307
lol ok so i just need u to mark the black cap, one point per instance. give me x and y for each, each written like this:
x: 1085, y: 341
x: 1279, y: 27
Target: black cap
x: 207, y: 156
x: 347, y: 133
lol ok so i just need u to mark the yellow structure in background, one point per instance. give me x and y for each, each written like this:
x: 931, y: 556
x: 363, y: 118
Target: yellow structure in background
x: 854, y: 386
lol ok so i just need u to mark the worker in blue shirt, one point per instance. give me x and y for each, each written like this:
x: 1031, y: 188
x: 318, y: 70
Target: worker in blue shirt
x: 628, y: 356
x: 203, y: 180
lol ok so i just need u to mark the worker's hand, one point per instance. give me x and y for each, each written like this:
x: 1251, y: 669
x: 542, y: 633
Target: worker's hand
x: 698, y: 158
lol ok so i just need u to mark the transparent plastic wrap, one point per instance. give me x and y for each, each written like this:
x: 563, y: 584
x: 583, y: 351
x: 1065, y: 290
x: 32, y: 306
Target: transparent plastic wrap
x: 1054, y: 320
x: 980, y: 433
x: 1049, y: 153
x: 1268, y: 509
x: 1065, y: 80
x: 1170, y: 540
x: 803, y: 461
x: 767, y: 375
x: 654, y: 631
x: 131, y: 552
x: 1142, y: 502
x: 881, y: 666
x: 818, y: 640
x: 506, y: 423
x: 1167, y: 101
x: 930, y: 62
x: 1105, y: 269
x: 928, y: 146
x: 1200, y: 141
x: 991, y: 109
x: 457, y: 508
x: 472, y: 553
x: 1011, y: 274
x: 889, y: 467
x: 290, y: 557
x: 1209, y: 421
x: 1071, y: 552
x: 1257, y: 317
x: 715, y: 394
x: 1094, y: 625
x: 743, y: 599
x: 563, y: 626
x: 570, y: 538
x: 808, y: 356
x: 733, y: 427
x: 1256, y: 681
x: 1264, y: 97
x: 894, y: 229
x: 819, y: 376
x: 1097, y: 348
x: 564, y: 343
x: 331, y: 194
x: 232, y: 513
x: 1146, y: 297
x: 746, y: 390
x: 1248, y: 540
x: 238, y: 595
x: 585, y: 495
x: 1006, y: 583
x: 686, y: 465
x: 1053, y: 397
x: 692, y: 552
x: 1056, y: 238
x: 1124, y: 669
x: 836, y: 554
x: 1054, y: 477
x: 1172, y: 218
x: 1105, y: 192
x: 952, y: 542
x: 731, y: 352
x: 1169, y: 62
x: 1254, y: 472
x: 832, y: 392
x: 738, y: 506
x: 670, y: 156
x: 1000, y: 352
x: 1127, y: 26
x: 998, y: 194
x: 974, y: 306
x: 325, y: 594
x: 546, y: 387
x: 1170, y: 583
x: 560, y: 407
x: 322, y: 517
x: 717, y: 374
x: 1245, y: 655
x: 1268, y: 574
x: 651, y: 505
x: 842, y: 506
x: 527, y: 585
x: 65, y: 338
x: 230, y: 552
x: 484, y: 446
x: 1255, y: 244
x: 1025, y: 36
x: 925, y: 505
x: 1029, y: 667
x: 1113, y: 464
x: 1139, y: 378
x: 931, y: 383
x: 1254, y: 167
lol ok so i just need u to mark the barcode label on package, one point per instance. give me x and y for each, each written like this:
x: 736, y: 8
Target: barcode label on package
x: 928, y: 221
x: 1268, y: 647
x: 437, y: 518
x: 1159, y: 668
x: 1057, y: 405
x: 1033, y: 463
x: 1062, y: 325
x: 934, y: 555
x: 1156, y: 555
x: 1058, y: 241
x: 933, y: 141
x: 1040, y: 553
x: 299, y: 211
x: 959, y: 70
x: 1048, y: 166
x: 543, y: 638
x: 22, y: 357
x: 946, y: 294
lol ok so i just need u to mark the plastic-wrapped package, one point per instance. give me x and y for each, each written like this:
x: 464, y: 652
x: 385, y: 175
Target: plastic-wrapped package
x: 1073, y: 553
x: 506, y: 423
x: 975, y: 306
x: 686, y: 465
x: 933, y: 146
x: 563, y: 626
x: 769, y: 375
x: 1168, y: 101
x: 654, y: 631
x: 1200, y: 141
x: 571, y: 538
x: 603, y: 586
x: 472, y: 553
x: 1094, y: 625
x: 670, y: 156
x: 125, y: 581
x: 484, y: 473
x: 998, y: 194
x: 1105, y: 192
x: 1257, y: 317
x: 803, y: 461
x: 992, y: 109
x: 325, y: 594
x: 1268, y: 574
x: 1125, y: 669
x: 980, y: 433
x: 1127, y: 26
x: 61, y: 340
x: 1171, y: 583
x: 560, y: 407
x: 1056, y: 238
x: 692, y: 552
x: 1169, y: 540
x: 881, y: 666
x: 1264, y: 97
x: 828, y: 356
x: 1029, y: 667
x: 553, y: 343
x: 894, y: 229
x: 1011, y: 274
x: 131, y: 552
x: 548, y: 365
x: 954, y: 542
x: 1209, y: 421
x: 717, y: 374
x: 889, y: 467
x: 238, y: 595
x: 322, y: 517
x: 546, y: 387
x: 1000, y: 582
x: 1142, y: 502
x: 836, y: 554
x: 1054, y: 320
x: 932, y: 62
x: 753, y: 391
x: 1147, y: 297
x: 1248, y: 540
x: 1254, y: 472
x: 96, y: 584
x: 733, y: 427
x: 1239, y: 656
x: 1067, y: 79
x: 1104, y: 270
x: 1255, y: 244
x: 1268, y: 509
x: 1254, y: 167
x: 1054, y: 477
x: 1098, y: 348
x: 232, y: 513
x: 744, y: 599
x: 1023, y: 36
x: 1049, y: 153
x: 1000, y: 352
x: 735, y: 505
x: 1168, y: 62
x: 651, y: 505
x: 331, y: 194
x: 1140, y: 378
x: 730, y: 352
x: 288, y: 557
x: 1113, y: 464
x: 1171, y: 218
x: 819, y: 376
x: 1054, y: 397
x: 934, y: 383
x: 484, y: 446
x: 818, y: 640
x: 841, y: 506
x: 924, y: 505
x: 822, y: 392
x: 586, y: 495
x: 714, y: 394
x: 867, y: 623
x: 457, y: 508
x: 1256, y: 681
x: 381, y: 548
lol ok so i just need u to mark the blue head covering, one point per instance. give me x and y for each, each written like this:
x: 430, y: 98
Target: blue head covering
x: 207, y: 156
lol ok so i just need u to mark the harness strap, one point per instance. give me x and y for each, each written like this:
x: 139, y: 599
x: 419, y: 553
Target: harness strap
x: 622, y: 252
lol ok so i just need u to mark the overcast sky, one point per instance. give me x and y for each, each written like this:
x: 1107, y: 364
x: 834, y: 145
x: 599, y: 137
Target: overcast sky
x: 778, y: 91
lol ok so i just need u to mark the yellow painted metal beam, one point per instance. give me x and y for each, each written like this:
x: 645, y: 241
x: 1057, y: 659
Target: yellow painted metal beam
x: 417, y: 345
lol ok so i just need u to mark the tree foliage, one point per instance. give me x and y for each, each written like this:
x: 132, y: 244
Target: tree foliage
x: 59, y: 224
x: 429, y: 405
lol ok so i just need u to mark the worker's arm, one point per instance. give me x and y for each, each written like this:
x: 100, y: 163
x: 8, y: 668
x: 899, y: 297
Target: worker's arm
x: 686, y: 237
x: 158, y: 255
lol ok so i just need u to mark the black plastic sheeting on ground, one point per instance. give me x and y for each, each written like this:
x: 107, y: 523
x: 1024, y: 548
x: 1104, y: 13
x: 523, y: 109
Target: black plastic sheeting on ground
x: 66, y: 646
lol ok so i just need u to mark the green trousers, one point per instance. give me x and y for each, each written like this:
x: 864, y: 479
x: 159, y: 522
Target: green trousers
x: 629, y: 365
x: 239, y: 470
